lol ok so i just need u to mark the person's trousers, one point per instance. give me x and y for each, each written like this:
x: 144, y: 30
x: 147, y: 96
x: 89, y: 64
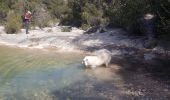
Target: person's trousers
x: 26, y: 26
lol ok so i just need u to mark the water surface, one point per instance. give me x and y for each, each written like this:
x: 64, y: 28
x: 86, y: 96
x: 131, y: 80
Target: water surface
x: 34, y: 74
x: 27, y: 74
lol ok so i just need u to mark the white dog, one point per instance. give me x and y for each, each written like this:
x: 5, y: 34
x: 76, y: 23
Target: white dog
x: 100, y: 57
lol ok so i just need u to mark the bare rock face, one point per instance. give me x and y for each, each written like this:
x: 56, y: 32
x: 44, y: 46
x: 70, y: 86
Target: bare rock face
x: 99, y: 58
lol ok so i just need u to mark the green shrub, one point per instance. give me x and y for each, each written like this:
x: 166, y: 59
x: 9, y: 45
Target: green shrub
x: 41, y: 17
x: 3, y: 12
x: 14, y: 23
x: 91, y: 15
x: 57, y: 8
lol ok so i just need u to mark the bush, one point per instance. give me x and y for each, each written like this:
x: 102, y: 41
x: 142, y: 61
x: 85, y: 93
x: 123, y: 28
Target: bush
x: 14, y: 23
x: 3, y: 12
x: 57, y: 8
x: 72, y: 14
x: 41, y: 17
x: 91, y: 15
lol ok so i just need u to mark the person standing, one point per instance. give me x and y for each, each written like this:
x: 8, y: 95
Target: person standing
x: 27, y: 18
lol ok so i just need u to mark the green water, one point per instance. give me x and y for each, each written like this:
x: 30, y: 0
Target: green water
x: 27, y: 74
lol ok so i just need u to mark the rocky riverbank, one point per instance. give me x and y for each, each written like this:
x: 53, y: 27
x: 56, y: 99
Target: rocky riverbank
x: 117, y: 40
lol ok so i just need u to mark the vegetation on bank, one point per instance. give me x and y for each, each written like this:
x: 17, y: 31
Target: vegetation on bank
x: 86, y: 13
x: 14, y: 22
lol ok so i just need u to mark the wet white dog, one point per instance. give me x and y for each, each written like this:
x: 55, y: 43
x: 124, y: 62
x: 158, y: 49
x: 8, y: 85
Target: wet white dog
x: 99, y: 58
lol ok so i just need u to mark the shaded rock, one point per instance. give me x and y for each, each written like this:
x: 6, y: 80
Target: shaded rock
x: 158, y: 50
x: 97, y: 29
x: 150, y: 43
x: 116, y: 52
x: 149, y: 56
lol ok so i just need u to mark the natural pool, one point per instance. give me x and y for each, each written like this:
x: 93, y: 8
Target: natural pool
x: 27, y: 74
x: 34, y: 74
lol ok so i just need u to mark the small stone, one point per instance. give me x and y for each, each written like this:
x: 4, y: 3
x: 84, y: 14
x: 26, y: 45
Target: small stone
x: 166, y: 90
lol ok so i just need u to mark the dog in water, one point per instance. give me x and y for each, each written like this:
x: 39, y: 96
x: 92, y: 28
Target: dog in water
x: 99, y: 58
